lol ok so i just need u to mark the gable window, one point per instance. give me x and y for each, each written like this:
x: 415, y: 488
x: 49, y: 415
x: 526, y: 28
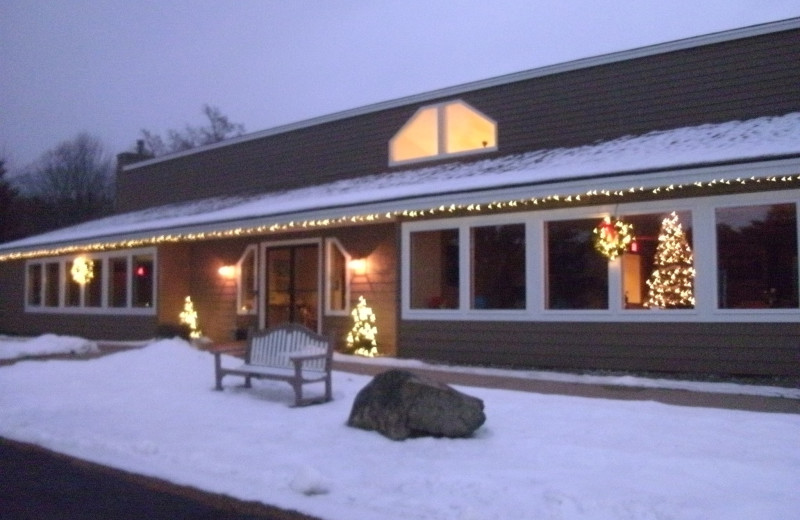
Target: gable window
x: 443, y: 130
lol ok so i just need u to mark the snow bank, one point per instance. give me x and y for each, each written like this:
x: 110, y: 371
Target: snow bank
x: 154, y: 411
x: 46, y: 345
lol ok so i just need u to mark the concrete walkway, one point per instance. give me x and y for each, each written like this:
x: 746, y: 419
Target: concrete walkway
x: 731, y: 401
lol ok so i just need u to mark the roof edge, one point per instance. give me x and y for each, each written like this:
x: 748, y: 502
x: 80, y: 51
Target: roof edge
x: 548, y: 70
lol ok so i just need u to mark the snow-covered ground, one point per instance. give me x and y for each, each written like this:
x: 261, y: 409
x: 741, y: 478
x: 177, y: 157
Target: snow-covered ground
x: 46, y: 345
x: 153, y: 411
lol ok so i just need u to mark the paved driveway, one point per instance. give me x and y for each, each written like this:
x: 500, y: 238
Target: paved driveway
x: 38, y: 484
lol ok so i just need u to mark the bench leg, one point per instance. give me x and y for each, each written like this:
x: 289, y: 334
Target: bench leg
x: 247, y: 383
x: 328, y: 393
x: 298, y: 392
x: 218, y: 375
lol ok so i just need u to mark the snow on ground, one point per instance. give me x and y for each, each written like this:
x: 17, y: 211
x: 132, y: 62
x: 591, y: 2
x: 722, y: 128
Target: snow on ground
x: 48, y: 344
x: 153, y: 411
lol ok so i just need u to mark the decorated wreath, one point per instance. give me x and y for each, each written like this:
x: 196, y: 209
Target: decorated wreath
x: 612, y: 237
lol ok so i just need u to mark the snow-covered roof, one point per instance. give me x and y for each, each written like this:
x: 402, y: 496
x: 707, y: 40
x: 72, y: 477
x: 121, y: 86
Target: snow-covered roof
x: 652, y: 158
x: 457, y: 90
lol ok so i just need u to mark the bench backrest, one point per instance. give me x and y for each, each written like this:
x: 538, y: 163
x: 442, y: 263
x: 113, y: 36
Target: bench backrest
x: 272, y: 347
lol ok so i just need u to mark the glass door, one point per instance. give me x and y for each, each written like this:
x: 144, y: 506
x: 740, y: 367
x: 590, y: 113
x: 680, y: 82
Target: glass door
x: 292, y: 285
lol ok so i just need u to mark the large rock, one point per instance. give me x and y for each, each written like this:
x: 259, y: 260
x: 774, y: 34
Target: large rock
x: 400, y: 404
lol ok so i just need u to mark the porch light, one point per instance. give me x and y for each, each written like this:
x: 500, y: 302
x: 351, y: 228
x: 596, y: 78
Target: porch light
x: 358, y: 266
x: 227, y: 271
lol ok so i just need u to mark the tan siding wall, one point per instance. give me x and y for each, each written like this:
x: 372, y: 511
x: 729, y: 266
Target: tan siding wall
x: 734, y: 80
x: 722, y: 348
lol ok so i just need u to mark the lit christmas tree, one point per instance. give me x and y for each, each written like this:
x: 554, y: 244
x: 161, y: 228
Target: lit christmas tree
x: 361, y: 339
x: 189, y: 317
x: 672, y: 281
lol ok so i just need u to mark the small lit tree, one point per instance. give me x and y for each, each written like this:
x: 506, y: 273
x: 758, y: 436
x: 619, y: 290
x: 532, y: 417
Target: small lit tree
x: 189, y: 317
x: 672, y: 281
x: 361, y: 338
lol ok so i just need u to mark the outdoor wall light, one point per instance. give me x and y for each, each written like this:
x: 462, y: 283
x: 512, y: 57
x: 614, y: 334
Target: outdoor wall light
x: 358, y: 266
x: 227, y: 271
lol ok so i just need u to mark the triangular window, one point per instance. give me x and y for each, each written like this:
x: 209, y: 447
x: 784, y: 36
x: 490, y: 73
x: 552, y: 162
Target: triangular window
x: 443, y: 130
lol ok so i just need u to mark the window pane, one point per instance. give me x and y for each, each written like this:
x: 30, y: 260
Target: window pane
x: 650, y: 278
x: 52, y: 283
x: 467, y: 129
x: 418, y: 138
x: 434, y: 269
x: 93, y: 292
x: 498, y: 267
x: 142, y: 281
x: 118, y: 282
x: 577, y: 276
x: 247, y: 282
x: 35, y: 284
x: 757, y: 257
x: 337, y: 281
x: 72, y: 291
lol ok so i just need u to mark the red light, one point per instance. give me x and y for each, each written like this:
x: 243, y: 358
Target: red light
x: 634, y: 247
x: 141, y: 271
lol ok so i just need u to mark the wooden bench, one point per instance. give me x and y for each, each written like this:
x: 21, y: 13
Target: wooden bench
x: 290, y: 353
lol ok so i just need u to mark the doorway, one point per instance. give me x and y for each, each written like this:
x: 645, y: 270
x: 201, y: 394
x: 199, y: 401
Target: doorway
x: 292, y: 284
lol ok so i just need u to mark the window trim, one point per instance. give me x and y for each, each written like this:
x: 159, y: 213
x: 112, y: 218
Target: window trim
x: 65, y: 261
x: 251, y: 249
x: 703, y: 246
x: 330, y: 244
x: 441, y: 135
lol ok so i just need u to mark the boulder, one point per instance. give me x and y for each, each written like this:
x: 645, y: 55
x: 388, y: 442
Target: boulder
x: 400, y: 404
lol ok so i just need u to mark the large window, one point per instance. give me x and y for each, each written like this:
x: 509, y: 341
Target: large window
x: 498, y: 267
x: 443, y: 130
x: 658, y: 269
x: 434, y: 269
x: 577, y: 277
x: 103, y: 282
x: 757, y: 256
x: 724, y: 258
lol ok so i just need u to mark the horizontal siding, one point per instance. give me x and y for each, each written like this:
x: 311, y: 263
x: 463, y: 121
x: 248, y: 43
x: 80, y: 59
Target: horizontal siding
x: 721, y: 348
x: 740, y: 79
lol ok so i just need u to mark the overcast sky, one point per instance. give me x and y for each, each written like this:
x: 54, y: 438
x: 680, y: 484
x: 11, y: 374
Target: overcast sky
x: 114, y: 67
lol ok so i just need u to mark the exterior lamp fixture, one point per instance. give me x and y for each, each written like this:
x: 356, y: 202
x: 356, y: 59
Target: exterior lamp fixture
x: 82, y: 270
x: 358, y: 266
x: 227, y: 271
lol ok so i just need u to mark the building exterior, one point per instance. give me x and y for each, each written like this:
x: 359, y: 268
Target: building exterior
x: 472, y: 220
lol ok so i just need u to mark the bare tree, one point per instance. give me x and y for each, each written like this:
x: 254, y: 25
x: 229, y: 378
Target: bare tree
x: 218, y: 129
x: 74, y: 179
x: 8, y: 196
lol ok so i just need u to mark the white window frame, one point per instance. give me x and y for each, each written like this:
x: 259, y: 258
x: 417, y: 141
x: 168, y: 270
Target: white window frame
x: 65, y: 263
x: 704, y: 248
x: 441, y: 138
x: 251, y: 249
x: 330, y: 245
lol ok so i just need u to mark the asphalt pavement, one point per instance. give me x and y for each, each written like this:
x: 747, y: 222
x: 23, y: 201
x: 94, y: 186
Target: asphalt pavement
x: 36, y: 484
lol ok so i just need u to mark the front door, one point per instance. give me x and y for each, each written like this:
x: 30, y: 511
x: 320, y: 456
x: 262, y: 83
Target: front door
x: 292, y: 285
